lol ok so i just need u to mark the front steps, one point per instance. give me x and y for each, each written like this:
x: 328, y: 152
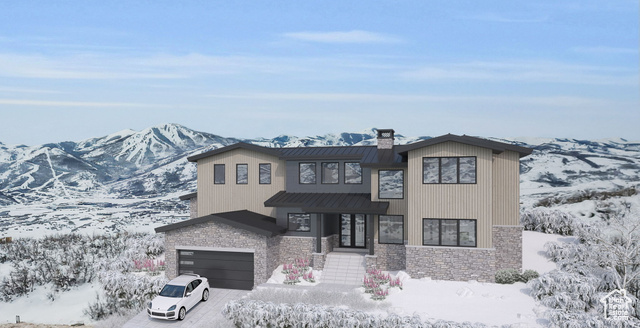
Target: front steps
x: 346, y: 269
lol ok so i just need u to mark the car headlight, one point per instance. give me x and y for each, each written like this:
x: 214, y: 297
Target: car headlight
x: 173, y: 307
x: 149, y: 305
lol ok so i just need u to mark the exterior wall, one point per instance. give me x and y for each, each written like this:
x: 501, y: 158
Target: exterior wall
x: 450, y: 201
x: 293, y: 179
x: 506, y: 188
x: 451, y: 263
x: 390, y: 257
x: 216, y: 198
x: 226, y: 236
x: 193, y: 207
x: 292, y: 248
x: 508, y: 244
x: 396, y: 206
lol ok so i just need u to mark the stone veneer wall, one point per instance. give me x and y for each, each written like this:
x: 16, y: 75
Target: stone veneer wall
x: 507, y: 241
x: 220, y: 235
x: 193, y: 207
x: 390, y: 257
x: 451, y: 263
x: 292, y: 248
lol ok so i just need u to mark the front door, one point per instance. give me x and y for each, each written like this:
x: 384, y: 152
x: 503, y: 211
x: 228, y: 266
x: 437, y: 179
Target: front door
x: 353, y: 229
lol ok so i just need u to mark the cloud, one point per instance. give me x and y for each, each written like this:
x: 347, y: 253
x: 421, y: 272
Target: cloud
x: 53, y: 103
x: 607, y: 50
x: 354, y: 36
x: 496, y: 18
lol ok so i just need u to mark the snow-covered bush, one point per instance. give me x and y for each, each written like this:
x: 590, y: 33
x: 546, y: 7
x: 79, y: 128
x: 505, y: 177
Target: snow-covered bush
x: 543, y: 220
x: 528, y: 275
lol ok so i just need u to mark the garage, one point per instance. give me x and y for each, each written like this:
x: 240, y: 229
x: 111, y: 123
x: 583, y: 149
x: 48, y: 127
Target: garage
x: 231, y: 270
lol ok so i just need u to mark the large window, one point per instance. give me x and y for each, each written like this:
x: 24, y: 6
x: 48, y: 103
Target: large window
x: 299, y: 222
x: 307, y: 173
x: 265, y: 173
x: 330, y: 172
x: 242, y: 173
x: 391, y: 184
x: 218, y: 173
x: 352, y: 173
x: 449, y: 170
x: 391, y: 229
x: 448, y: 232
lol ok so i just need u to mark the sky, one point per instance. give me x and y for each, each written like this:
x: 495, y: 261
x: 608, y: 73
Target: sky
x: 72, y: 70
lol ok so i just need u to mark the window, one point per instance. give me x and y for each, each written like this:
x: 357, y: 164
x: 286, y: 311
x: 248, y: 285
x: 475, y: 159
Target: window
x: 352, y: 173
x: 242, y: 173
x: 391, y: 229
x: 330, y: 172
x: 218, y: 173
x: 307, y: 173
x: 449, y: 232
x: 390, y: 184
x: 299, y: 222
x: 449, y: 170
x: 265, y: 173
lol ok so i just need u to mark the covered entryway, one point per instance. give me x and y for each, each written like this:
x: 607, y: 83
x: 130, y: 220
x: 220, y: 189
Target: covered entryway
x: 231, y: 270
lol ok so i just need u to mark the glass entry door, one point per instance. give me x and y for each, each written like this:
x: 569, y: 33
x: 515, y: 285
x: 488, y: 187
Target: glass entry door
x: 353, y: 229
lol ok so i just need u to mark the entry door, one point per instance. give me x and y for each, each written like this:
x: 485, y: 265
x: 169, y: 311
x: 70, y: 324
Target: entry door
x: 353, y: 229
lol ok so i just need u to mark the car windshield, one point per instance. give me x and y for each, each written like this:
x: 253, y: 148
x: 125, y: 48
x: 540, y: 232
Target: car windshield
x: 172, y: 291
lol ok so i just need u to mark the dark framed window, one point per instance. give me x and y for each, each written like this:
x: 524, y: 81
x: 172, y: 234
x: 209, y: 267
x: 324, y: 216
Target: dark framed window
x: 218, y: 173
x: 265, y: 173
x: 449, y: 170
x: 391, y: 184
x: 391, y: 229
x: 307, y: 173
x: 242, y: 173
x: 449, y: 232
x: 330, y: 172
x: 299, y: 222
x: 352, y: 173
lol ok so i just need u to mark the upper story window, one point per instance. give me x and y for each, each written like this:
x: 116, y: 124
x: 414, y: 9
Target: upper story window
x: 352, y: 173
x: 449, y: 170
x: 330, y: 172
x: 218, y: 173
x: 447, y: 232
x: 242, y: 173
x: 307, y: 173
x: 390, y: 184
x: 265, y: 173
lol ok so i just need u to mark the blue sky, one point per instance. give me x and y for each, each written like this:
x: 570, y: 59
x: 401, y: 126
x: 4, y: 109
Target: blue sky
x: 71, y: 70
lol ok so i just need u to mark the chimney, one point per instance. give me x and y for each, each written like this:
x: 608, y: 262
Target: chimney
x: 385, y: 138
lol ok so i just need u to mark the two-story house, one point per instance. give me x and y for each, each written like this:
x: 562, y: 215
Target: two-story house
x: 445, y: 208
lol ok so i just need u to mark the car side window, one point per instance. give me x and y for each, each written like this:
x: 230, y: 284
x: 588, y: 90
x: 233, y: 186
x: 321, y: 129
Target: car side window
x: 189, y: 288
x: 196, y: 283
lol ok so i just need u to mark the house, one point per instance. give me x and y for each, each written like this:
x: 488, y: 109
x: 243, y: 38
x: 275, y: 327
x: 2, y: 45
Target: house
x: 445, y: 208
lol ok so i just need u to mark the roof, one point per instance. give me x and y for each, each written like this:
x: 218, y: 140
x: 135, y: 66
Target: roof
x: 183, y: 280
x: 239, y: 145
x: 246, y: 220
x: 497, y: 147
x: 189, y: 196
x: 328, y: 202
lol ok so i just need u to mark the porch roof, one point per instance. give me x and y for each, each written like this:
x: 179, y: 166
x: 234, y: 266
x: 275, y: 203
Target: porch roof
x: 247, y: 220
x: 328, y: 202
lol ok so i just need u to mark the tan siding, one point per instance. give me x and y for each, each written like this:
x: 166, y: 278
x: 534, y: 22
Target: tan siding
x: 396, y: 206
x: 213, y: 198
x: 506, y: 188
x: 450, y: 201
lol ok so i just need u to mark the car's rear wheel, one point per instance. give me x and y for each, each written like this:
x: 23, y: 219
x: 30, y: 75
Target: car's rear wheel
x: 205, y: 295
x: 182, y: 313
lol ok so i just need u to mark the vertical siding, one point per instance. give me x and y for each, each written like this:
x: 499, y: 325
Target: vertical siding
x: 450, y: 201
x: 215, y: 198
x: 506, y: 188
x: 396, y: 206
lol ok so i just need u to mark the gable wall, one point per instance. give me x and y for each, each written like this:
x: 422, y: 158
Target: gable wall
x: 506, y: 188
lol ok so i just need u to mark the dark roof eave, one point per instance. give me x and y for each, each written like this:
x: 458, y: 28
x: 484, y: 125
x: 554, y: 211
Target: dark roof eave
x: 321, y: 157
x: 344, y: 210
x: 384, y: 165
x: 497, y: 147
x: 189, y: 196
x: 275, y: 230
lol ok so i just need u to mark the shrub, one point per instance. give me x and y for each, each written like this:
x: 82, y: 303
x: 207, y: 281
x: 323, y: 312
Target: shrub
x: 528, y: 275
x: 546, y: 221
x: 508, y: 276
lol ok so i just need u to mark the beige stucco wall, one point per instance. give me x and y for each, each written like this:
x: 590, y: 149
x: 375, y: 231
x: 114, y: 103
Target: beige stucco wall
x: 215, y: 198
x: 506, y: 188
x: 450, y: 201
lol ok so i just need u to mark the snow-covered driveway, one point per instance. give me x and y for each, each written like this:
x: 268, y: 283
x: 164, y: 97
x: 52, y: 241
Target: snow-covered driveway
x: 205, y: 314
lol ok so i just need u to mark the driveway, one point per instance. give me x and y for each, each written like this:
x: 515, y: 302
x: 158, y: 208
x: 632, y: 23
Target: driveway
x: 202, y: 315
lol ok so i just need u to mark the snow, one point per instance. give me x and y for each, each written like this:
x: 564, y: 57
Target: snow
x: 277, y: 277
x: 67, y: 308
x: 533, y: 250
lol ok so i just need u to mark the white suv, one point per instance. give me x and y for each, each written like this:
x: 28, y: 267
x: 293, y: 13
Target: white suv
x: 178, y: 296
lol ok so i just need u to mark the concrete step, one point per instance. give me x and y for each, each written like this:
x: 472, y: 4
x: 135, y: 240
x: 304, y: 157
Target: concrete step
x: 344, y: 269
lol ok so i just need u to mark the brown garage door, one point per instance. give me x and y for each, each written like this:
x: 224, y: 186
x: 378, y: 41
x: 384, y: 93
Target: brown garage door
x: 232, y: 270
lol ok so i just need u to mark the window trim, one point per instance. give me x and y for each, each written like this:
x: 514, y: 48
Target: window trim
x: 322, y: 172
x: 224, y: 173
x: 401, y: 170
x: 475, y: 232
x: 475, y: 168
x: 315, y: 173
x: 345, y: 173
x: 379, y: 230
x: 237, y: 166
x: 260, y: 174
x: 296, y: 230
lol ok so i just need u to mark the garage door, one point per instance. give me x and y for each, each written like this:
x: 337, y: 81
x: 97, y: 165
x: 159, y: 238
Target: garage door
x: 223, y: 269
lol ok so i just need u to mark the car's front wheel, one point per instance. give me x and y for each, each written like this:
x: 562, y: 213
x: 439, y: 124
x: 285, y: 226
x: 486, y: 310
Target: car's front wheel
x: 205, y: 295
x: 182, y: 313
